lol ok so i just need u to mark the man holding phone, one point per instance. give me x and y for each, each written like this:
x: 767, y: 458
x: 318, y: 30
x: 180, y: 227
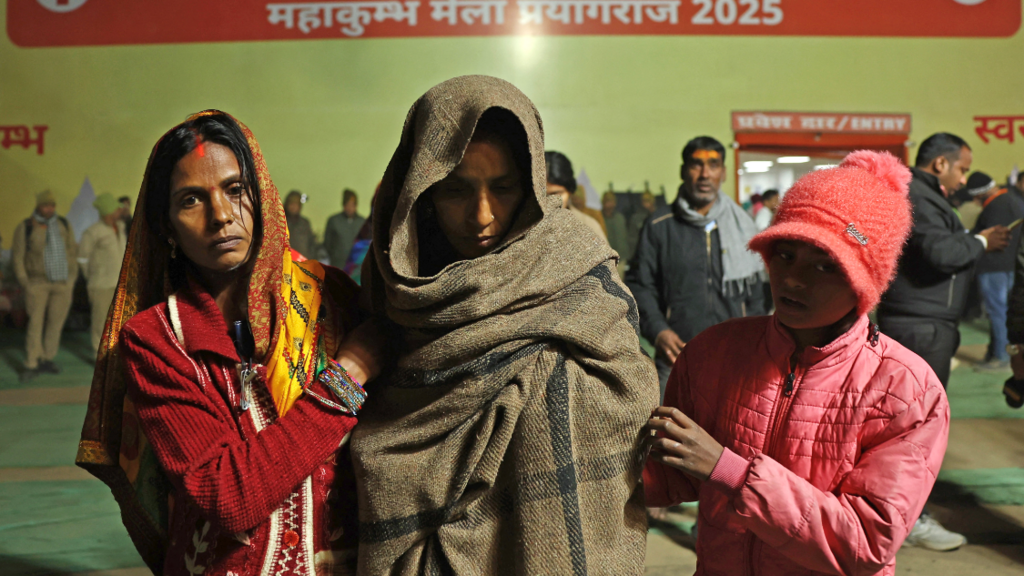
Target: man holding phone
x: 1001, y: 207
x: 922, y: 306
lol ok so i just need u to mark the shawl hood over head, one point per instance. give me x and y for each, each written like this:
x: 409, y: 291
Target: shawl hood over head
x: 437, y: 131
x: 505, y: 439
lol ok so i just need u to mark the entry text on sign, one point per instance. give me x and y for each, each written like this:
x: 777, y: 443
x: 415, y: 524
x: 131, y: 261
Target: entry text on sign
x: 821, y: 122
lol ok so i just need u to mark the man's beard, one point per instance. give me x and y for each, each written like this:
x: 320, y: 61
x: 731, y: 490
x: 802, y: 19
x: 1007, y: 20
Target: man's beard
x: 696, y: 200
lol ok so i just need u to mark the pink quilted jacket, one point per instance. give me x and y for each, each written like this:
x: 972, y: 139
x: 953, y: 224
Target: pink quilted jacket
x: 826, y: 465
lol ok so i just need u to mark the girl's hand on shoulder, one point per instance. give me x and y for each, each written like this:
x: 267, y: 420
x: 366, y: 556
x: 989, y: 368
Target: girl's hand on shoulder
x: 362, y: 351
x: 678, y: 441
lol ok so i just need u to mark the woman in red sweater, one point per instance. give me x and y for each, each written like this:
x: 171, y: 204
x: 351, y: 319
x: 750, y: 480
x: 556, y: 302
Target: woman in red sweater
x: 228, y: 454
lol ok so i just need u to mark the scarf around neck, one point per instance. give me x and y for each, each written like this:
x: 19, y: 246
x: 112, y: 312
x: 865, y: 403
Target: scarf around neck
x: 55, y: 258
x: 742, y: 270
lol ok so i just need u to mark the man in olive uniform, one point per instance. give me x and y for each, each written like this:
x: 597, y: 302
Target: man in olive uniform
x: 101, y: 252
x: 44, y: 254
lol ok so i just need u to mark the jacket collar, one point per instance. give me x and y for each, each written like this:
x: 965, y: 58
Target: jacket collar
x: 781, y: 346
x: 928, y: 179
x: 202, y: 324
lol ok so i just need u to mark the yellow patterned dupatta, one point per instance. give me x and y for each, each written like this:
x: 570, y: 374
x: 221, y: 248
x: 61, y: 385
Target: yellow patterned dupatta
x: 291, y: 336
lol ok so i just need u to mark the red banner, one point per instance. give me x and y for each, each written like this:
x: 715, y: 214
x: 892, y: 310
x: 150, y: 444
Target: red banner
x: 826, y: 123
x: 107, y: 22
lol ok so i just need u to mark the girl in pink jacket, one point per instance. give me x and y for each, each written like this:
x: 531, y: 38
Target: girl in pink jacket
x: 810, y: 440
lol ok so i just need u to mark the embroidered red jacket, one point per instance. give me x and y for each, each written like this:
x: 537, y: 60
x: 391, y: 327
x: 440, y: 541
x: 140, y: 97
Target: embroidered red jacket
x: 253, y: 493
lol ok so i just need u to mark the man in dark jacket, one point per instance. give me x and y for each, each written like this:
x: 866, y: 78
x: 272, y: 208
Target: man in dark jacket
x: 922, y: 307
x: 1001, y: 207
x: 1014, y: 388
x: 691, y: 269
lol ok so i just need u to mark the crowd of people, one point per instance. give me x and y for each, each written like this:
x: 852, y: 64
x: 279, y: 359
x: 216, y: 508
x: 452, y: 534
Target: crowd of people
x: 480, y: 401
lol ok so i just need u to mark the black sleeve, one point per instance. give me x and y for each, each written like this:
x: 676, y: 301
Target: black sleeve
x: 642, y: 282
x: 999, y: 212
x: 756, y: 304
x: 1015, y: 310
x: 943, y: 249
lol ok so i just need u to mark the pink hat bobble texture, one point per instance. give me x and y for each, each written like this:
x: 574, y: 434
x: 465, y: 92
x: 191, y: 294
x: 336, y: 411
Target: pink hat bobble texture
x: 858, y: 212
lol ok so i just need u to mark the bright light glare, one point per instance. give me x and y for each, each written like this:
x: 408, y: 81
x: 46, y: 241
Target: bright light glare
x: 826, y: 166
x: 753, y: 165
x: 751, y: 169
x: 526, y: 51
x: 794, y: 160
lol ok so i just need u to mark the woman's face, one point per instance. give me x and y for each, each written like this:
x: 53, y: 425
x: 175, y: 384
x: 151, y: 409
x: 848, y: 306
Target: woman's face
x: 477, y: 202
x: 808, y: 287
x: 211, y: 213
x: 559, y: 190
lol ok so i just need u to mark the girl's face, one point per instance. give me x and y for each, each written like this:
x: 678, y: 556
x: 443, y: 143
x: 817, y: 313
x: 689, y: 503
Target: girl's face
x: 477, y: 202
x: 211, y: 213
x: 808, y: 287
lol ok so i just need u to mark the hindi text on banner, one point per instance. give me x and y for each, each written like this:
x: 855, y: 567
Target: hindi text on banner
x: 22, y: 136
x: 469, y: 11
x: 998, y: 127
x: 352, y: 17
x: 578, y: 11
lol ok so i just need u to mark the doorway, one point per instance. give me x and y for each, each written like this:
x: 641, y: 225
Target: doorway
x: 774, y: 149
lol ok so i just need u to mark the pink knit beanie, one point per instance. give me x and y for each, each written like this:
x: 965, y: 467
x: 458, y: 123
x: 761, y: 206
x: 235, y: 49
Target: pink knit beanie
x: 859, y: 213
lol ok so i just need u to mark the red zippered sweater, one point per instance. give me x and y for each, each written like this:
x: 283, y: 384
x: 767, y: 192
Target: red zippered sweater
x: 253, y: 493
x: 827, y: 464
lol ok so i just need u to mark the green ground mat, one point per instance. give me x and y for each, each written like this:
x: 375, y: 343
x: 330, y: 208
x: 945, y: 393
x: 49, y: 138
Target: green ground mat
x: 974, y: 332
x: 40, y: 435
x: 1001, y: 486
x: 75, y: 359
x: 974, y: 394
x: 61, y: 528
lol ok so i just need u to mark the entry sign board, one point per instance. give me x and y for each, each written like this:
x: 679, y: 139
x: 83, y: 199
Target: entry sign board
x: 109, y: 22
x: 823, y: 123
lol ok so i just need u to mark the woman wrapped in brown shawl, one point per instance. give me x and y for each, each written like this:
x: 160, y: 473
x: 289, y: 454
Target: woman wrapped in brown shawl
x: 506, y: 439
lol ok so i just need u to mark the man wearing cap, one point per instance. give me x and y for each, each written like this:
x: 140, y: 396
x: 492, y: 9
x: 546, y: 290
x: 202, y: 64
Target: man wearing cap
x: 126, y: 212
x: 1000, y: 207
x: 691, y: 268
x: 44, y: 254
x: 300, y: 232
x: 342, y: 229
x: 100, y: 253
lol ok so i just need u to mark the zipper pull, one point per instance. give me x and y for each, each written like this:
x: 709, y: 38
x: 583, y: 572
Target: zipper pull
x: 787, y: 390
x: 873, y: 335
x: 247, y: 375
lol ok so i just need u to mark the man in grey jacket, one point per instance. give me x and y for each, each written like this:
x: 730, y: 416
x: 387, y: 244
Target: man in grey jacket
x: 691, y: 269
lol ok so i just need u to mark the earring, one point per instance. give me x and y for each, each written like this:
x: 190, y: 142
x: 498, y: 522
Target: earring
x: 174, y: 248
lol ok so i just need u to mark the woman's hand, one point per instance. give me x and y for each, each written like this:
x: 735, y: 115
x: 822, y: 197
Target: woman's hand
x: 679, y: 442
x: 362, y: 351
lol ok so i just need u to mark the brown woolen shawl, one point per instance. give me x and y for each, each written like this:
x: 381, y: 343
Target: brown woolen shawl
x: 506, y: 440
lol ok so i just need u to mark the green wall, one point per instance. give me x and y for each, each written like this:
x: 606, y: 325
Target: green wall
x: 328, y: 113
